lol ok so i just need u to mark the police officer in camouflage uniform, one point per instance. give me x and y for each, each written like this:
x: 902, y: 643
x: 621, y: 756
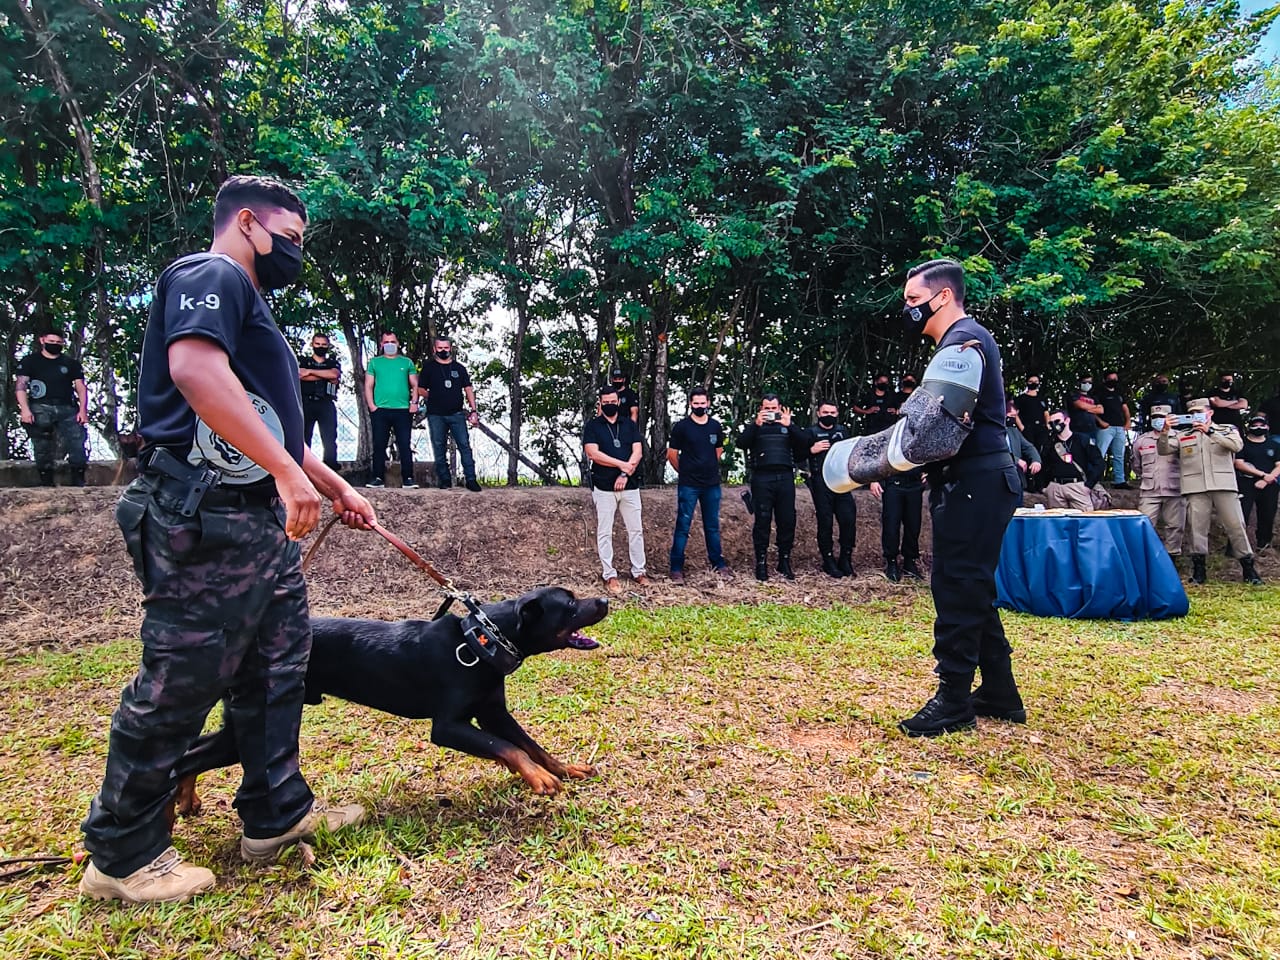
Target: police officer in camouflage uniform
x: 52, y: 403
x: 227, y: 489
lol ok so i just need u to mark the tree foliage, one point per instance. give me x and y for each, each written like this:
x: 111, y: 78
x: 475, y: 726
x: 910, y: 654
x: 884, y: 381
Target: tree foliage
x: 706, y: 191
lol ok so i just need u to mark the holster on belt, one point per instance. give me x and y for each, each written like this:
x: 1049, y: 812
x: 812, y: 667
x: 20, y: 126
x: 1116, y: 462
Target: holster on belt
x: 191, y: 483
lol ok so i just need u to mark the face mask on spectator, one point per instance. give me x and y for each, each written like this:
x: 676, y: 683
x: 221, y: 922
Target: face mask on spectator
x: 390, y: 349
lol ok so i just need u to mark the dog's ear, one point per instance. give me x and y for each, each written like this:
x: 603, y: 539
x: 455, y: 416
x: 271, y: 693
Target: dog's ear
x: 528, y: 612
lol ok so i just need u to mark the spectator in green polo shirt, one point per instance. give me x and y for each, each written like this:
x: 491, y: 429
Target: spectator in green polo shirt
x: 390, y: 390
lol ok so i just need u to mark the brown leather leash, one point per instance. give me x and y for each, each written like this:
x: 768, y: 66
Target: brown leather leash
x: 483, y: 636
x: 414, y: 557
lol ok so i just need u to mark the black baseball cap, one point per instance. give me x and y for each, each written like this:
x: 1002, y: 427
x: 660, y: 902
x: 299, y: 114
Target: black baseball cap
x: 616, y: 373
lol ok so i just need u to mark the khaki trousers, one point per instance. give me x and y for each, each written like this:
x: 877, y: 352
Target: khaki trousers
x: 609, y: 504
x: 1073, y: 496
x: 1169, y: 513
x: 1201, y: 508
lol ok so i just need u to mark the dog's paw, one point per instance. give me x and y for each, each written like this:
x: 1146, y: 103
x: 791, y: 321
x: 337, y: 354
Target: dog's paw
x: 543, y: 782
x: 579, y: 771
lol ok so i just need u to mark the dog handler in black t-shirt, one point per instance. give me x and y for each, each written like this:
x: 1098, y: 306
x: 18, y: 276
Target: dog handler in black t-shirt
x: 227, y: 489
x: 53, y: 402
x: 694, y: 452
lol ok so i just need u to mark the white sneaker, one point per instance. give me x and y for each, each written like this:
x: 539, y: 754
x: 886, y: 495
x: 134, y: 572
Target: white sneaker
x: 332, y: 820
x: 166, y: 879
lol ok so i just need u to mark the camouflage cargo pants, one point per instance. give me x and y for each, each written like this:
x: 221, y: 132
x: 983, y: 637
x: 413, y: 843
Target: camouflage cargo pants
x: 225, y: 618
x: 54, y: 421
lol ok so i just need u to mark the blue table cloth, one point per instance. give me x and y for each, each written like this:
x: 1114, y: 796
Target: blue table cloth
x: 1088, y: 566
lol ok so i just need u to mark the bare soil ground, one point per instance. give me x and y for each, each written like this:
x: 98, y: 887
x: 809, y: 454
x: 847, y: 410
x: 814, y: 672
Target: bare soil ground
x: 65, y: 578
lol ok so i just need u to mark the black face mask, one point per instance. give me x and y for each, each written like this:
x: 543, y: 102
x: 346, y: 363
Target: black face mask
x: 698, y: 411
x: 1057, y: 428
x: 907, y: 386
x: 1257, y: 431
x: 53, y: 348
x: 443, y: 354
x: 1011, y: 421
x: 1033, y: 387
x: 882, y: 385
x: 1113, y: 384
x: 1225, y: 386
x: 320, y: 351
x: 827, y: 422
x: 620, y: 384
x: 1162, y: 386
x: 915, y: 318
x: 609, y: 409
x: 281, y: 267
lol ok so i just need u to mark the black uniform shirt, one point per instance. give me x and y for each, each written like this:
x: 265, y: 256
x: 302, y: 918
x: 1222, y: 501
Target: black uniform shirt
x: 51, y: 380
x: 818, y: 433
x: 444, y: 383
x: 615, y: 440
x: 1113, y: 403
x: 1082, y: 421
x: 882, y: 418
x: 319, y: 389
x: 988, y: 435
x: 1078, y: 452
x: 1263, y: 454
x: 1030, y: 410
x: 1222, y: 415
x: 697, y: 444
x: 628, y: 400
x: 211, y: 296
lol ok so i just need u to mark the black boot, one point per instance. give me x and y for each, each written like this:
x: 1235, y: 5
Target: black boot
x: 997, y: 696
x: 948, y: 711
x: 829, y: 566
x: 762, y: 569
x: 1198, y: 574
x: 784, y: 566
x: 846, y: 562
x: 46, y: 478
x: 910, y: 569
x: 891, y: 570
x: 77, y: 476
x: 1250, y: 574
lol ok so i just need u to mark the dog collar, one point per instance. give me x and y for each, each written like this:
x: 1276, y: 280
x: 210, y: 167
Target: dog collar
x: 483, y: 640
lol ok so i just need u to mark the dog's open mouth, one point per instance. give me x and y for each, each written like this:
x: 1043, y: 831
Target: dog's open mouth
x: 580, y: 641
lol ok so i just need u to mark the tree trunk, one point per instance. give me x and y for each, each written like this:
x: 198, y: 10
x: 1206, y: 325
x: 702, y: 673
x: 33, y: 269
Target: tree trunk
x: 91, y: 178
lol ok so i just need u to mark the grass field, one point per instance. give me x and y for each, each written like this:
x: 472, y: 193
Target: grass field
x: 753, y: 800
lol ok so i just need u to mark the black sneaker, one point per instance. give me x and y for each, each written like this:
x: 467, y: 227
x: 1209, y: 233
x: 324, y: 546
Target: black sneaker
x: 910, y: 569
x: 762, y: 570
x: 940, y: 716
x: 474, y: 485
x: 891, y: 571
x: 409, y: 485
x: 375, y: 482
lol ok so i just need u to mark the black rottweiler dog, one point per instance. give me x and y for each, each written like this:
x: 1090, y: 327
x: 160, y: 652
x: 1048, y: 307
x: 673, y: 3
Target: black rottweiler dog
x: 419, y: 669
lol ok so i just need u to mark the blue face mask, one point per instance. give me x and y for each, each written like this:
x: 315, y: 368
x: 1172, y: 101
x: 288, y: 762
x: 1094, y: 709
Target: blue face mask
x: 1157, y: 423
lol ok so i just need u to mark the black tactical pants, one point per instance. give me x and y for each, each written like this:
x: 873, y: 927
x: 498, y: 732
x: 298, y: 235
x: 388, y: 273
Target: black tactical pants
x: 322, y: 412
x: 225, y: 618
x: 773, y: 495
x: 828, y: 504
x: 970, y: 511
x: 901, y: 512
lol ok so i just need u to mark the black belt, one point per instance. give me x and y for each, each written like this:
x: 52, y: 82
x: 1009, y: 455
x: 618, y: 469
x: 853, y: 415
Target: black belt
x: 983, y: 463
x: 198, y: 486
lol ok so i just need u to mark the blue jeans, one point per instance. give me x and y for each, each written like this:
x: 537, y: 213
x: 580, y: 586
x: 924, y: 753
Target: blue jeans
x: 1111, y: 443
x: 440, y: 426
x: 687, y: 498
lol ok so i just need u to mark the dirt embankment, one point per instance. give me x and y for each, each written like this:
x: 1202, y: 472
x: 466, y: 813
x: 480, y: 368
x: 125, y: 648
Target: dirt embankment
x: 65, y: 578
